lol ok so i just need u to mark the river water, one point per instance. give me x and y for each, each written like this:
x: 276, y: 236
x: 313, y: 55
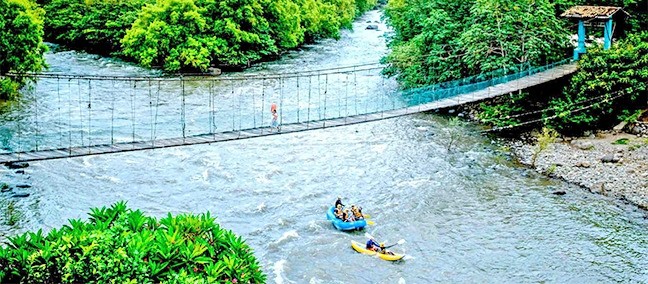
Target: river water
x: 467, y: 212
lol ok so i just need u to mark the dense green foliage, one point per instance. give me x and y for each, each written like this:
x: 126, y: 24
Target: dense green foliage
x: 95, y: 26
x: 602, y: 76
x: 192, y: 35
x: 21, y: 42
x: 119, y: 245
x: 443, y: 40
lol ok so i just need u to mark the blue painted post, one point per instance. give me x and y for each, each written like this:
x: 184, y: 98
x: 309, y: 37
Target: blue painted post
x: 607, y: 34
x: 581, y: 40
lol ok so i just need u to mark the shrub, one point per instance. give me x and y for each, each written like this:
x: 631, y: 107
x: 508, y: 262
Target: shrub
x: 119, y: 245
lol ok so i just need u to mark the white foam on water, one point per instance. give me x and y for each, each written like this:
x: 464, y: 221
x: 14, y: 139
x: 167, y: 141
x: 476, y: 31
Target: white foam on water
x: 292, y: 234
x: 278, y: 269
x: 262, y: 207
x: 401, y: 281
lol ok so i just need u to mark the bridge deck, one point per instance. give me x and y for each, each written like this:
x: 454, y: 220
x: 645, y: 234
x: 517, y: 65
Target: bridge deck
x: 486, y: 93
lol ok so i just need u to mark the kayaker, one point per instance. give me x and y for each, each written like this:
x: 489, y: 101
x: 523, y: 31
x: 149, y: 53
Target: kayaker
x: 383, y: 250
x: 338, y: 202
x: 357, y: 212
x: 372, y: 245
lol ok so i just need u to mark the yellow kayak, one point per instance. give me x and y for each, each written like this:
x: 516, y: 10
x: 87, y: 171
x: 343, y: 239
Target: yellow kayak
x: 361, y: 249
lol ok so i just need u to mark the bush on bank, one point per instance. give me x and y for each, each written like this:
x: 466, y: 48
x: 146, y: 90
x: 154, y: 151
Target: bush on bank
x: 119, y: 245
x: 21, y: 42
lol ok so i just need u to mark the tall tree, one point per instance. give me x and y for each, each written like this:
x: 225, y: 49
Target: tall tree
x: 21, y: 42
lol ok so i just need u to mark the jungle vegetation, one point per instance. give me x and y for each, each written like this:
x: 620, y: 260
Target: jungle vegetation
x: 121, y: 245
x: 442, y: 40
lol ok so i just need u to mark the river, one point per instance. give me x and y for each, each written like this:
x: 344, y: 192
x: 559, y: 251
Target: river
x: 467, y: 211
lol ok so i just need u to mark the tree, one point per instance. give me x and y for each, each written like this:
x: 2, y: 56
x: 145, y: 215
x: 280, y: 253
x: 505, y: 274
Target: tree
x: 507, y: 33
x: 170, y: 33
x: 91, y: 25
x: 239, y: 34
x: 284, y: 19
x: 442, y: 40
x: 21, y: 43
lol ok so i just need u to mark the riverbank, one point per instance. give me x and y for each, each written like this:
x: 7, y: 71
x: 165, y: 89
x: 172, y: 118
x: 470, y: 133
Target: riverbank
x: 608, y: 163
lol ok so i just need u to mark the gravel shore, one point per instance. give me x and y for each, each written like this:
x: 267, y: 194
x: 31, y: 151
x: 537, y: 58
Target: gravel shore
x: 609, y: 163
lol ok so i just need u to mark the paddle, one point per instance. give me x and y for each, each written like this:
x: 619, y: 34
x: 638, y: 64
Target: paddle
x: 400, y: 242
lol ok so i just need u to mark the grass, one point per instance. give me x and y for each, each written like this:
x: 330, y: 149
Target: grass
x: 622, y: 141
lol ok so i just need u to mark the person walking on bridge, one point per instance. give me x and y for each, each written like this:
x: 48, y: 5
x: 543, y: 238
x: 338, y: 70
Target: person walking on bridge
x: 275, y: 117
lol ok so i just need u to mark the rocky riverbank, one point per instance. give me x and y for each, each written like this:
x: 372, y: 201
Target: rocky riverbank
x: 610, y: 163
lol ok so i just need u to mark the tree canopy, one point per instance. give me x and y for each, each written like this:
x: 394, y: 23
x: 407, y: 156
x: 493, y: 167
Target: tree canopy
x: 442, y: 40
x: 21, y: 42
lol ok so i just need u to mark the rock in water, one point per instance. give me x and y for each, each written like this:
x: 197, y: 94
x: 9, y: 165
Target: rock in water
x: 17, y: 165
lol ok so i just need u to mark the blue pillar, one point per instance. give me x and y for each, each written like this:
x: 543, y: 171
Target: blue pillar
x: 607, y: 34
x: 581, y: 40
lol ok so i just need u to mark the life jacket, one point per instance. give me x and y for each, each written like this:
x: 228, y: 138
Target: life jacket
x: 356, y: 212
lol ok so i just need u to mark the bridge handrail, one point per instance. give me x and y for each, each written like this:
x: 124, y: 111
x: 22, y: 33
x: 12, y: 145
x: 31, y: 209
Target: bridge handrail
x: 452, y: 88
x: 205, y: 76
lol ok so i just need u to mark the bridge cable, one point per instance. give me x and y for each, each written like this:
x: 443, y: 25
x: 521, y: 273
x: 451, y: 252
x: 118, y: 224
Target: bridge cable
x: 263, y: 83
x: 622, y: 93
x: 298, y: 103
x: 310, y: 79
x: 151, y: 116
x: 254, y: 117
x: 112, y: 115
x: 133, y: 111
x: 339, y: 102
x: 240, y: 116
x: 157, y: 109
x: 80, y: 111
x: 325, y: 95
x: 70, y: 116
x: 184, y: 111
x: 319, y: 96
x: 37, y: 128
x: 280, y: 102
x: 89, y: 114
x: 355, y: 91
x: 346, y: 97
x: 211, y: 107
x: 60, y: 124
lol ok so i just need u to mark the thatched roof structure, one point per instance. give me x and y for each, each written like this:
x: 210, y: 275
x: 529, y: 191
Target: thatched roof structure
x: 592, y: 12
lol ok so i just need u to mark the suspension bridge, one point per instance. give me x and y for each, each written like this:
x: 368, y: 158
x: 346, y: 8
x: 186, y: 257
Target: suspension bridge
x: 65, y: 116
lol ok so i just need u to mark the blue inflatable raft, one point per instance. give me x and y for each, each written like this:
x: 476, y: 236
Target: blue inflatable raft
x: 344, y: 226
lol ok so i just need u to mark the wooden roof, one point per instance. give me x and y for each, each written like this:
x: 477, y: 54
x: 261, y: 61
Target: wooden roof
x: 592, y: 12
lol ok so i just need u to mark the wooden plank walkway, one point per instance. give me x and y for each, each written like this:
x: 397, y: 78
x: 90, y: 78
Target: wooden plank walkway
x: 490, y: 92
